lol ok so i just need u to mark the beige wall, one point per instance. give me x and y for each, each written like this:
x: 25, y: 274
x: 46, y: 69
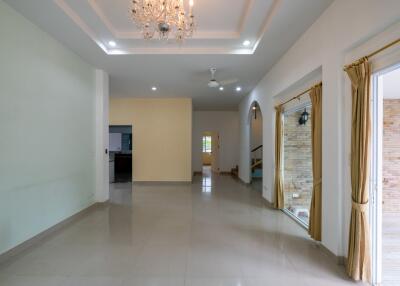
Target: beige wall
x: 162, y: 136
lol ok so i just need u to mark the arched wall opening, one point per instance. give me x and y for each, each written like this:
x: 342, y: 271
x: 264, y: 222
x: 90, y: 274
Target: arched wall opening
x: 255, y: 119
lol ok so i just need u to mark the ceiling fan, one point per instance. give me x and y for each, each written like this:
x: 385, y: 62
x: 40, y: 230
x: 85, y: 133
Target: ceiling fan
x: 213, y: 83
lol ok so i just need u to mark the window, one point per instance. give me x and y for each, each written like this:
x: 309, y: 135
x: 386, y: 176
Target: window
x: 297, y: 164
x: 206, y: 144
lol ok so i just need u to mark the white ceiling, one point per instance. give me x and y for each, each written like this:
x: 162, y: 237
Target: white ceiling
x: 135, y: 65
x: 391, y: 84
x: 220, y: 30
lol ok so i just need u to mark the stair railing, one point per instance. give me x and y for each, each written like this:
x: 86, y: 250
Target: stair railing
x: 256, y: 162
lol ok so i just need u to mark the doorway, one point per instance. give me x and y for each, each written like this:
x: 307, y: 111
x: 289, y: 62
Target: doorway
x: 256, y: 144
x: 385, y: 177
x: 120, y: 168
x: 210, y: 152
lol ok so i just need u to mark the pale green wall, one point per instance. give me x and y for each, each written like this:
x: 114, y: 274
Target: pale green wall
x: 47, y: 130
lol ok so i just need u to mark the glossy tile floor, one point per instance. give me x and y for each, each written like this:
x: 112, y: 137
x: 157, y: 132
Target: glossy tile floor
x: 214, y: 232
x: 391, y: 249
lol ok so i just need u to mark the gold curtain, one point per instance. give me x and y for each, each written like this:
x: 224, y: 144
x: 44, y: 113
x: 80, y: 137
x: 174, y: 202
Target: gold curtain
x: 316, y: 136
x: 279, y: 201
x: 359, y: 264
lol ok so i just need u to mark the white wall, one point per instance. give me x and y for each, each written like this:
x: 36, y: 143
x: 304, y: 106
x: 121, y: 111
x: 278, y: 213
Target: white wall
x: 102, y: 136
x: 226, y: 123
x: 47, y: 127
x: 323, y: 46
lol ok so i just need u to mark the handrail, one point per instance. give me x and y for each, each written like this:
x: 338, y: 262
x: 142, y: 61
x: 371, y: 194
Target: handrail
x: 257, y: 163
x: 255, y: 149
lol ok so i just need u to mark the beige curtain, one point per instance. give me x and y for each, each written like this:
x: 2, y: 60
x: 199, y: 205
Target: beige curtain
x: 279, y: 201
x: 316, y: 128
x: 359, y: 265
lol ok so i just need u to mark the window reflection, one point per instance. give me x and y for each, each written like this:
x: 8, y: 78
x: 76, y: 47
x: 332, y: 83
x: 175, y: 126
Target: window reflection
x: 206, y: 185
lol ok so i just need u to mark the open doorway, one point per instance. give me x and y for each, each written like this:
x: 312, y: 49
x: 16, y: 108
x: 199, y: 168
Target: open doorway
x: 256, y: 143
x: 385, y: 177
x: 120, y: 137
x: 210, y: 152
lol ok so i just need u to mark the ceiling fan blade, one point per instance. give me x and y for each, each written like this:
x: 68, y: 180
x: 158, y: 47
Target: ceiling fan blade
x: 229, y: 81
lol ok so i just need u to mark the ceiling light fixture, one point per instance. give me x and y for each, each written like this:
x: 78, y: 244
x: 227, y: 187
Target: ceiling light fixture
x: 112, y: 44
x: 154, y: 88
x: 221, y: 88
x: 164, y: 17
x: 238, y: 89
x: 246, y: 43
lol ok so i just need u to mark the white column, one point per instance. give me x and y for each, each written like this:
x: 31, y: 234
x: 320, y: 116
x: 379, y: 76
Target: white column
x: 102, y: 157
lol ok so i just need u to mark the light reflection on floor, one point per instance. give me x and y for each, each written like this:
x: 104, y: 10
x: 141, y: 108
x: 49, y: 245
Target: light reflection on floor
x: 164, y: 234
x: 206, y: 183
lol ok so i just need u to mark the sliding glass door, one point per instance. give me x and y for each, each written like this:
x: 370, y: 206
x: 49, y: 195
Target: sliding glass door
x: 297, y: 163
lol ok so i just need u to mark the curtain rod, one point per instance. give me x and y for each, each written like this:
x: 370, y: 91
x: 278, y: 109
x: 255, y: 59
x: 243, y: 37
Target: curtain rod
x: 299, y: 95
x: 395, y: 42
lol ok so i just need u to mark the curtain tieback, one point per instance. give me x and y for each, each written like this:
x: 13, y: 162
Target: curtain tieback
x: 317, y: 182
x: 361, y: 207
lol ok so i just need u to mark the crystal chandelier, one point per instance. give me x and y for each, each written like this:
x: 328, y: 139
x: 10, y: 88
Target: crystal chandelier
x: 164, y: 17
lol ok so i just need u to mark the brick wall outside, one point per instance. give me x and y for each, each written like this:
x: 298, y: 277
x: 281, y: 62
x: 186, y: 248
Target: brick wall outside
x: 297, y: 161
x: 391, y: 156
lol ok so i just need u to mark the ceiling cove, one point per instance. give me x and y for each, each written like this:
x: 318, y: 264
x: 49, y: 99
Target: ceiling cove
x: 222, y: 27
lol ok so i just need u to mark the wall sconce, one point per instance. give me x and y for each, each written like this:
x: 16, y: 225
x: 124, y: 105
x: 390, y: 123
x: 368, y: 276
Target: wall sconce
x: 304, y: 117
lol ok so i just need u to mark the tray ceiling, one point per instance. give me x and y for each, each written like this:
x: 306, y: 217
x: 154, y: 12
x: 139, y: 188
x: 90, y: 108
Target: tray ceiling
x: 86, y: 27
x: 222, y: 26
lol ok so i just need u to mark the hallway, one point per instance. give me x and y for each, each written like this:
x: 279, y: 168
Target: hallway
x: 178, y: 235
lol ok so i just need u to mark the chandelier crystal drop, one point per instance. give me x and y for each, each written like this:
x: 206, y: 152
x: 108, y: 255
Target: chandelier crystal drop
x: 165, y: 17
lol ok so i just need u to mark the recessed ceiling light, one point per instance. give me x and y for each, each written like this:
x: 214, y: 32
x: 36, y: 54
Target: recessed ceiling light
x: 238, y: 88
x: 221, y: 88
x: 112, y: 44
x: 154, y: 88
x: 254, y: 108
x: 246, y: 43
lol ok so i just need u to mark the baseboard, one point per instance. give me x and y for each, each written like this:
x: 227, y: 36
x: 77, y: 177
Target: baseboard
x: 46, y: 233
x: 267, y: 203
x: 242, y: 182
x: 340, y: 260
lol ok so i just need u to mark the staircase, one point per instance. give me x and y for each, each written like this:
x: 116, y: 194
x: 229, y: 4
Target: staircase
x: 256, y: 162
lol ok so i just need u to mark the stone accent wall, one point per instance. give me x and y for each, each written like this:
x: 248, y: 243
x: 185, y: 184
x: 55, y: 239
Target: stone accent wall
x: 297, y: 161
x: 391, y: 156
